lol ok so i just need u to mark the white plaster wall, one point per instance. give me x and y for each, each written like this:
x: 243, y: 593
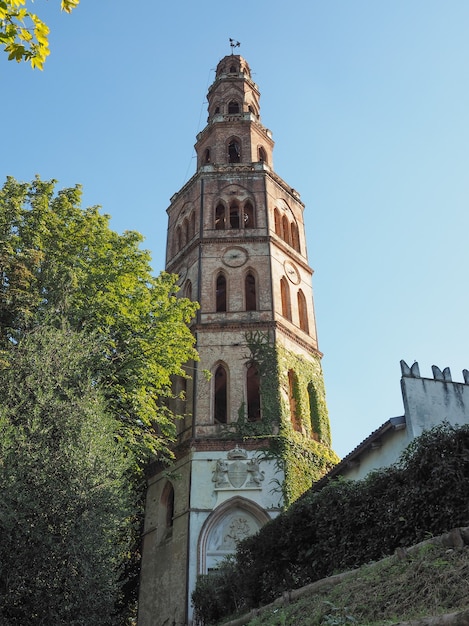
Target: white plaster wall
x: 393, y: 444
x: 429, y: 402
x: 205, y: 498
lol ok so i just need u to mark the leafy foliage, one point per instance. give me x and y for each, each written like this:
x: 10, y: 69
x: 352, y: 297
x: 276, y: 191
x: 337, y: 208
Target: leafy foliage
x: 349, y: 523
x: 303, y: 457
x: 61, y: 262
x: 23, y: 35
x: 65, y: 501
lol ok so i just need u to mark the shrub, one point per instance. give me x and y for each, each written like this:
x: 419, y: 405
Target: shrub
x: 349, y: 523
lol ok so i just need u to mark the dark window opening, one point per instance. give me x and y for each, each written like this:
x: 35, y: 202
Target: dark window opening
x: 250, y: 292
x: 248, y: 215
x: 167, y: 501
x: 292, y: 388
x: 179, y: 238
x: 262, y: 155
x: 188, y: 290
x: 234, y: 216
x: 253, y: 394
x: 286, y: 230
x: 285, y: 295
x: 220, y: 217
x: 278, y: 228
x: 207, y: 156
x: 313, y: 411
x: 217, y: 110
x: 233, y: 107
x: 295, y: 239
x: 221, y: 396
x: 303, y: 311
x: 193, y: 224
x: 221, y: 294
x: 233, y: 69
x: 234, y: 153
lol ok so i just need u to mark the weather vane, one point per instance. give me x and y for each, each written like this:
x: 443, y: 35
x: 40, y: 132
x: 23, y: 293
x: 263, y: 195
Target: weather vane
x: 234, y: 44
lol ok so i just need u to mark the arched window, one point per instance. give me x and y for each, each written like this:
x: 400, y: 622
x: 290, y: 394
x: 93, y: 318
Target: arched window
x: 250, y: 292
x: 234, y: 216
x: 285, y: 295
x: 186, y: 231
x: 233, y: 69
x: 233, y: 107
x: 278, y: 228
x: 234, y: 152
x: 179, y: 238
x: 292, y: 391
x: 253, y: 393
x: 313, y: 411
x: 286, y: 230
x: 262, y: 155
x: 217, y: 110
x: 303, y: 311
x: 295, y: 239
x: 188, y: 290
x: 220, y: 400
x: 193, y: 224
x: 167, y: 501
x: 248, y: 215
x: 221, y: 293
x: 220, y: 217
x: 207, y: 156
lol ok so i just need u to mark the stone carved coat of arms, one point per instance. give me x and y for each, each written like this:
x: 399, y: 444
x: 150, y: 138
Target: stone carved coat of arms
x: 240, y: 472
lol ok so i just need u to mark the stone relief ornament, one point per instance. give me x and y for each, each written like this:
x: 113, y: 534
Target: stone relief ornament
x: 241, y: 472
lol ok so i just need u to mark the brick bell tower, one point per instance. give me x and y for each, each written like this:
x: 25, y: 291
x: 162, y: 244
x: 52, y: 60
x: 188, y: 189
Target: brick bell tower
x: 254, y: 409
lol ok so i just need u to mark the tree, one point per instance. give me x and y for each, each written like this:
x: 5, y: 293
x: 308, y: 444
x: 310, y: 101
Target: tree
x: 61, y: 262
x: 23, y: 34
x: 65, y: 499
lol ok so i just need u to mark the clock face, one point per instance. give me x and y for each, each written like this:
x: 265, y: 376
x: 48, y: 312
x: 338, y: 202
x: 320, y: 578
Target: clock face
x: 235, y: 256
x: 291, y: 272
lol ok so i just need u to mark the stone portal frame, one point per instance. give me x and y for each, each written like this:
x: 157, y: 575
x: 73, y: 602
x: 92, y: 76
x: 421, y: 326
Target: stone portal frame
x: 236, y: 508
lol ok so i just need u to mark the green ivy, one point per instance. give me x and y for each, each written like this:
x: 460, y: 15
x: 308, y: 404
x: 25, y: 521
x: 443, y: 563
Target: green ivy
x: 305, y: 456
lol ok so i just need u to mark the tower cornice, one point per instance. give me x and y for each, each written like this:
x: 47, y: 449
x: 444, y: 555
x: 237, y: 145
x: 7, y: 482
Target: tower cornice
x: 236, y: 168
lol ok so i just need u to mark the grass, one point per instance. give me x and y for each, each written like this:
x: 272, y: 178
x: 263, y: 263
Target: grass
x: 431, y: 581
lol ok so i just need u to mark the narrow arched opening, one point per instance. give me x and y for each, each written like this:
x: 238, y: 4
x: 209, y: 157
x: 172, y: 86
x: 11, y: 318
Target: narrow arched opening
x: 253, y: 393
x: 220, y: 400
x: 286, y: 230
x: 302, y: 311
x: 248, y: 215
x: 292, y: 393
x: 234, y: 216
x: 234, y: 152
x: 250, y: 295
x: 220, y: 217
x: 278, y: 227
x: 220, y: 295
x: 285, y: 296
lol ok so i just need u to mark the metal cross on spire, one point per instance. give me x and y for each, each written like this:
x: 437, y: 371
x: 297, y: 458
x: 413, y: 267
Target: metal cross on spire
x: 234, y: 44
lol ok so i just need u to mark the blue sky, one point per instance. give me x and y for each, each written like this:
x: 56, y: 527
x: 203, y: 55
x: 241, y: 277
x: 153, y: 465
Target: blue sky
x: 368, y: 103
